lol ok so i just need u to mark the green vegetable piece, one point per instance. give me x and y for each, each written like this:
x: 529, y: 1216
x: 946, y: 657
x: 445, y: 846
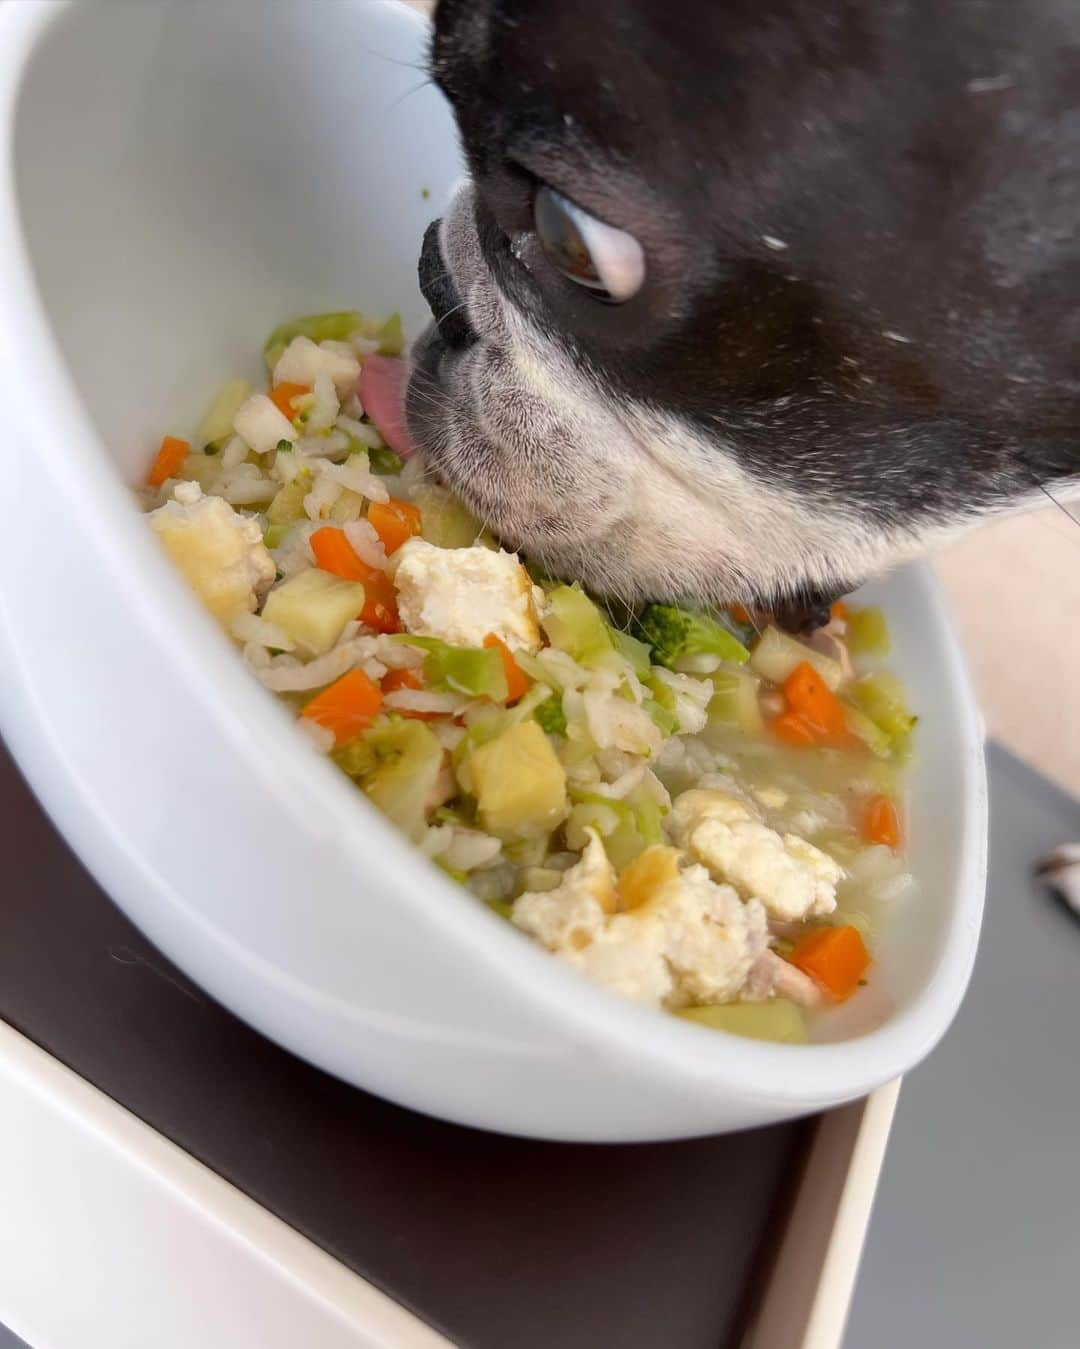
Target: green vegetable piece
x: 550, y: 716
x: 663, y: 718
x: 356, y: 758
x: 382, y: 459
x: 391, y: 337
x: 635, y: 653
x: 477, y: 672
x: 501, y: 907
x: 319, y: 327
x: 444, y: 521
x: 520, y: 785
x: 313, y: 607
x: 408, y: 759
x: 778, y: 1020
x: 868, y: 731
x: 288, y: 504
x: 217, y: 424
x: 575, y: 625
x: 627, y: 826
x: 675, y: 633
x: 777, y: 654
x: 868, y: 633
x: 735, y: 701
x: 882, y: 698
x: 648, y: 816
x: 285, y: 446
x: 274, y: 535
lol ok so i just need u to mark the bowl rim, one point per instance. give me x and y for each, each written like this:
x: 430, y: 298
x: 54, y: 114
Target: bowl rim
x: 793, y: 1077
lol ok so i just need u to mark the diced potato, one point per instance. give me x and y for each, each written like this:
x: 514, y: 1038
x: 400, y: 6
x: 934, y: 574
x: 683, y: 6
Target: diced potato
x: 520, y: 783
x: 779, y: 1020
x: 777, y: 654
x: 219, y: 551
x: 288, y: 505
x: 313, y: 607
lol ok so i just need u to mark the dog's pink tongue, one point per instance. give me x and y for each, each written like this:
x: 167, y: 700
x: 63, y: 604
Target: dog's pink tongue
x: 382, y: 392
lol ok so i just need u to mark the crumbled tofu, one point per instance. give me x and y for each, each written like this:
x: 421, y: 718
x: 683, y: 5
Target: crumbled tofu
x: 461, y: 595
x: 770, y: 798
x: 219, y: 551
x: 261, y: 424
x: 793, y: 879
x: 303, y: 359
x: 712, y: 939
x: 692, y: 941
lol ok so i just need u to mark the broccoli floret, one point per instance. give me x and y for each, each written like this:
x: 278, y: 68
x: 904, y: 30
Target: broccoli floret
x: 551, y: 716
x: 674, y: 634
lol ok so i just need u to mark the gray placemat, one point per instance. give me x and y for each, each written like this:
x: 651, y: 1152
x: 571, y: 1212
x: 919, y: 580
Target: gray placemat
x: 974, y: 1240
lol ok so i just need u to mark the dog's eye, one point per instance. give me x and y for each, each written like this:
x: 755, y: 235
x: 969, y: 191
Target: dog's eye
x: 608, y: 261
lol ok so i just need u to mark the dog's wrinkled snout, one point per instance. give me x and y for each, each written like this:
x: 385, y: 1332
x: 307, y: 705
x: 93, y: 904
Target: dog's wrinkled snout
x: 438, y: 289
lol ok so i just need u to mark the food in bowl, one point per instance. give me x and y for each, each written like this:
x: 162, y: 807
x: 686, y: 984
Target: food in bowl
x: 693, y: 808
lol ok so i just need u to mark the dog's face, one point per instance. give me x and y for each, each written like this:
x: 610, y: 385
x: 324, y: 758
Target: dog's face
x: 746, y: 301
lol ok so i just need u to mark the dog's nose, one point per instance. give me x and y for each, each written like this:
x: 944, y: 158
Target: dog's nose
x: 438, y: 289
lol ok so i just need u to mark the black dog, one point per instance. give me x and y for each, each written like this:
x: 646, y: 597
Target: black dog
x: 748, y: 301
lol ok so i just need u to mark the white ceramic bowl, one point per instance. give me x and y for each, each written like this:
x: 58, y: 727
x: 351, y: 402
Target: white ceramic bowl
x: 174, y: 179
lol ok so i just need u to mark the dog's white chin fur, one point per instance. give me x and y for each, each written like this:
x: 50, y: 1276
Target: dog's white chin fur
x: 630, y: 499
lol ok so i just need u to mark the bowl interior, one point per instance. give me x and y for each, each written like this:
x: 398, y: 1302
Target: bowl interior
x: 237, y: 171
x: 243, y: 169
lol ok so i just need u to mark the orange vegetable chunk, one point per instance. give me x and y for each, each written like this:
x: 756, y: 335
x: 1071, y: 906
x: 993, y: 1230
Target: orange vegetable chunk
x: 346, y: 707
x: 518, y: 682
x: 284, y: 394
x: 167, y: 462
x: 881, y: 822
x: 834, y: 957
x: 394, y: 521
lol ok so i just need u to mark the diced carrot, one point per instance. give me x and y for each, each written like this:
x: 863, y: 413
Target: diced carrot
x: 284, y: 394
x: 346, y: 707
x: 810, y: 698
x: 401, y: 679
x: 334, y: 553
x: 881, y: 822
x: 840, y: 611
x: 790, y: 728
x: 394, y: 521
x: 518, y: 682
x: 380, y: 609
x: 167, y: 462
x: 740, y: 613
x: 835, y: 957
x: 407, y: 679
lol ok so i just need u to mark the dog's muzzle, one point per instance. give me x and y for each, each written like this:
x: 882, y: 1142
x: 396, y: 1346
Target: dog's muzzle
x: 438, y: 289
